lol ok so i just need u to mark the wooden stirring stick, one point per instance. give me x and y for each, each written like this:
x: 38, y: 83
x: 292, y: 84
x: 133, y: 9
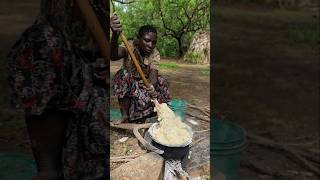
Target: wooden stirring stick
x: 136, y: 63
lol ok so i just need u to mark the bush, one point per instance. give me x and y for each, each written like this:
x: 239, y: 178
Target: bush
x: 307, y: 33
x: 193, y: 57
x: 169, y: 65
x: 167, y: 46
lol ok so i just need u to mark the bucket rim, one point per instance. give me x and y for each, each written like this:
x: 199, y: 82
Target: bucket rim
x: 184, y: 103
x: 241, y: 129
x: 237, y: 146
x: 224, y: 153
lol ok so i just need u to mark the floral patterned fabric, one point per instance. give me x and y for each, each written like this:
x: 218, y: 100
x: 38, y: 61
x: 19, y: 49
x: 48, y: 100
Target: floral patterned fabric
x: 126, y: 84
x: 47, y: 72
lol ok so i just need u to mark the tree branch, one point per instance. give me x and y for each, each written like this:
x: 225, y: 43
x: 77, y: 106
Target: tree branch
x: 201, y: 7
x: 163, y: 21
x: 124, y: 1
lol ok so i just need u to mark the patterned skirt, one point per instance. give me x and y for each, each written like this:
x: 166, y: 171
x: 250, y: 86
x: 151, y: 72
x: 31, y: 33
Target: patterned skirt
x: 46, y: 72
x: 125, y: 85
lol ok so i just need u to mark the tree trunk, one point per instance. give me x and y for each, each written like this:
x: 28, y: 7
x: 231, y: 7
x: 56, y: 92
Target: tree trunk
x: 180, y: 50
x: 199, y: 49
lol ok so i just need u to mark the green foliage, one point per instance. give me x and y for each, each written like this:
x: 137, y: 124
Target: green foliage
x: 170, y: 17
x: 169, y: 65
x: 305, y: 33
x: 135, y: 15
x: 180, y: 19
x: 167, y: 46
x: 193, y: 57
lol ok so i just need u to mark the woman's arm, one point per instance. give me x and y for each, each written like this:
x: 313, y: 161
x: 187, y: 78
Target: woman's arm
x: 117, y: 52
x: 153, y: 73
x: 153, y: 76
x: 154, y: 66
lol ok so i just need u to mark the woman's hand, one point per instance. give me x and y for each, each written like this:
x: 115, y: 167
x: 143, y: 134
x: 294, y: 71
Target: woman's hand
x: 141, y: 83
x: 116, y: 51
x: 152, y: 92
x: 115, y: 24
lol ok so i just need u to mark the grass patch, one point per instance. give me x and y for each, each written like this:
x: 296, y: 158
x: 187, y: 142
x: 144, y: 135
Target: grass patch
x: 304, y: 33
x: 125, y: 149
x: 193, y: 57
x: 205, y: 71
x: 169, y: 65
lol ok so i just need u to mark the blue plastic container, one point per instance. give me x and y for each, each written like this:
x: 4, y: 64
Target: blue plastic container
x: 115, y: 114
x: 178, y: 106
x: 228, y: 140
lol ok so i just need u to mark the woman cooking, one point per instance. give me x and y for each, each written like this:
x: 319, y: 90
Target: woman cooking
x: 134, y: 99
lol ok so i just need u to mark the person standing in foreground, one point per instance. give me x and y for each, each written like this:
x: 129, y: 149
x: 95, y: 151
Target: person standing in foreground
x: 134, y: 99
x: 63, y: 93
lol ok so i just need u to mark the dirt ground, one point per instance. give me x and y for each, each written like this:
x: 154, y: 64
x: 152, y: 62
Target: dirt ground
x: 272, y: 80
x: 188, y: 82
x: 266, y: 81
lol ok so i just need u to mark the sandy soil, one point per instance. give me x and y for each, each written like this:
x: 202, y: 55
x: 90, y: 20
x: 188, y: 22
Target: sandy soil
x: 188, y: 82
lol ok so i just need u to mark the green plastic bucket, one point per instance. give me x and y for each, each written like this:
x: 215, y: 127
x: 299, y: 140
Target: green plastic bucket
x: 228, y: 140
x: 178, y: 106
x: 115, y: 114
x: 17, y: 167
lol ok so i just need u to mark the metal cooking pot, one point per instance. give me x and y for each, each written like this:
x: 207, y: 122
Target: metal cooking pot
x: 176, y: 151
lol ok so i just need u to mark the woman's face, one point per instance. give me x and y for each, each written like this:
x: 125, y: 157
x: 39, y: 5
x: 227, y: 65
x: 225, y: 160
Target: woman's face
x: 147, y: 43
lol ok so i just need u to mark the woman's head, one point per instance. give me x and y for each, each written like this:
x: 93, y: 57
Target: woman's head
x: 147, y: 37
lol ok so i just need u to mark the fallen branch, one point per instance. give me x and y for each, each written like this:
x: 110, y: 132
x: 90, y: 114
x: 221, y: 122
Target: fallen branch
x: 269, y: 143
x: 308, y: 155
x: 205, y: 112
x: 296, y: 173
x: 261, y: 169
x: 126, y: 157
x: 201, y: 131
x: 198, y: 141
x: 127, y: 126
x: 199, y: 118
x: 315, y: 151
x: 302, y: 143
x: 120, y: 160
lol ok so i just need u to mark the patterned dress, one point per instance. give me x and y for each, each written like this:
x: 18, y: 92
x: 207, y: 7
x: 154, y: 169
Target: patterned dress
x: 47, y: 72
x: 126, y: 84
